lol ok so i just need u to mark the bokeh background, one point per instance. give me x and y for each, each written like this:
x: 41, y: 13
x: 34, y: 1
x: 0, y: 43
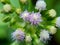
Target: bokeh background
x: 5, y: 31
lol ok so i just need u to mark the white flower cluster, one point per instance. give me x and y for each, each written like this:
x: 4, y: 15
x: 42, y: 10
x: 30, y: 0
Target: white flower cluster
x: 58, y: 22
x: 40, y: 5
x: 44, y: 36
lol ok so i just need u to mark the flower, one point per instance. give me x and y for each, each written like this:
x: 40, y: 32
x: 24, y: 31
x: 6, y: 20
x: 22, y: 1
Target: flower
x: 35, y: 18
x: 18, y: 35
x: 44, y: 36
x: 40, y: 5
x: 7, y: 7
x: 23, y: 1
x: 52, y: 13
x: 28, y: 38
x: 58, y: 22
x: 25, y: 15
x: 53, y: 30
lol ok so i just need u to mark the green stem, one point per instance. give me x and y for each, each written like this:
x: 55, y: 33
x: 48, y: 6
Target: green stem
x: 28, y: 43
x: 29, y: 5
x: 36, y: 40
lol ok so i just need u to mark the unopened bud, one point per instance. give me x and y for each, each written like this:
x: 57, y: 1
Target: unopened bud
x: 23, y: 1
x: 52, y: 13
x: 53, y: 30
x: 18, y: 11
x: 7, y: 7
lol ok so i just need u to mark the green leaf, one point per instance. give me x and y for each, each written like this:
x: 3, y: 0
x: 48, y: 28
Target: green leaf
x: 50, y: 3
x: 41, y: 43
x: 1, y: 16
x: 18, y: 43
x: 57, y: 8
x: 57, y: 36
x: 30, y: 5
x: 3, y: 29
x: 15, y: 3
x: 15, y: 43
x: 1, y: 6
x: 18, y: 25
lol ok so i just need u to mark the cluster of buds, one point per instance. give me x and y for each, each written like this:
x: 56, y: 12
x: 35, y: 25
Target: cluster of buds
x: 33, y: 18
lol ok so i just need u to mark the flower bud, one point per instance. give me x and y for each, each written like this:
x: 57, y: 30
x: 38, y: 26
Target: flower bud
x: 23, y: 1
x: 12, y: 21
x: 2, y: 0
x: 28, y: 38
x: 52, y: 13
x: 6, y: 19
x: 53, y: 30
x: 18, y: 11
x: 7, y: 7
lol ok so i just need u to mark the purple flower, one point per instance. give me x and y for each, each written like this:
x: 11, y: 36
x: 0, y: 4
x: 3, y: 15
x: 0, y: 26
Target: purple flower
x: 25, y: 15
x: 18, y: 35
x: 35, y: 18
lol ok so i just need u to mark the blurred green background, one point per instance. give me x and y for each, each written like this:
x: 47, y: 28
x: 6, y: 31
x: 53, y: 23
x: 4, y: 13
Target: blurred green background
x: 5, y: 31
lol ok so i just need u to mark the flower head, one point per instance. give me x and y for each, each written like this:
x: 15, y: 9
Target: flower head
x: 7, y: 7
x: 25, y: 15
x: 18, y: 35
x: 40, y: 5
x: 35, y: 18
x: 58, y: 22
x: 44, y: 36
